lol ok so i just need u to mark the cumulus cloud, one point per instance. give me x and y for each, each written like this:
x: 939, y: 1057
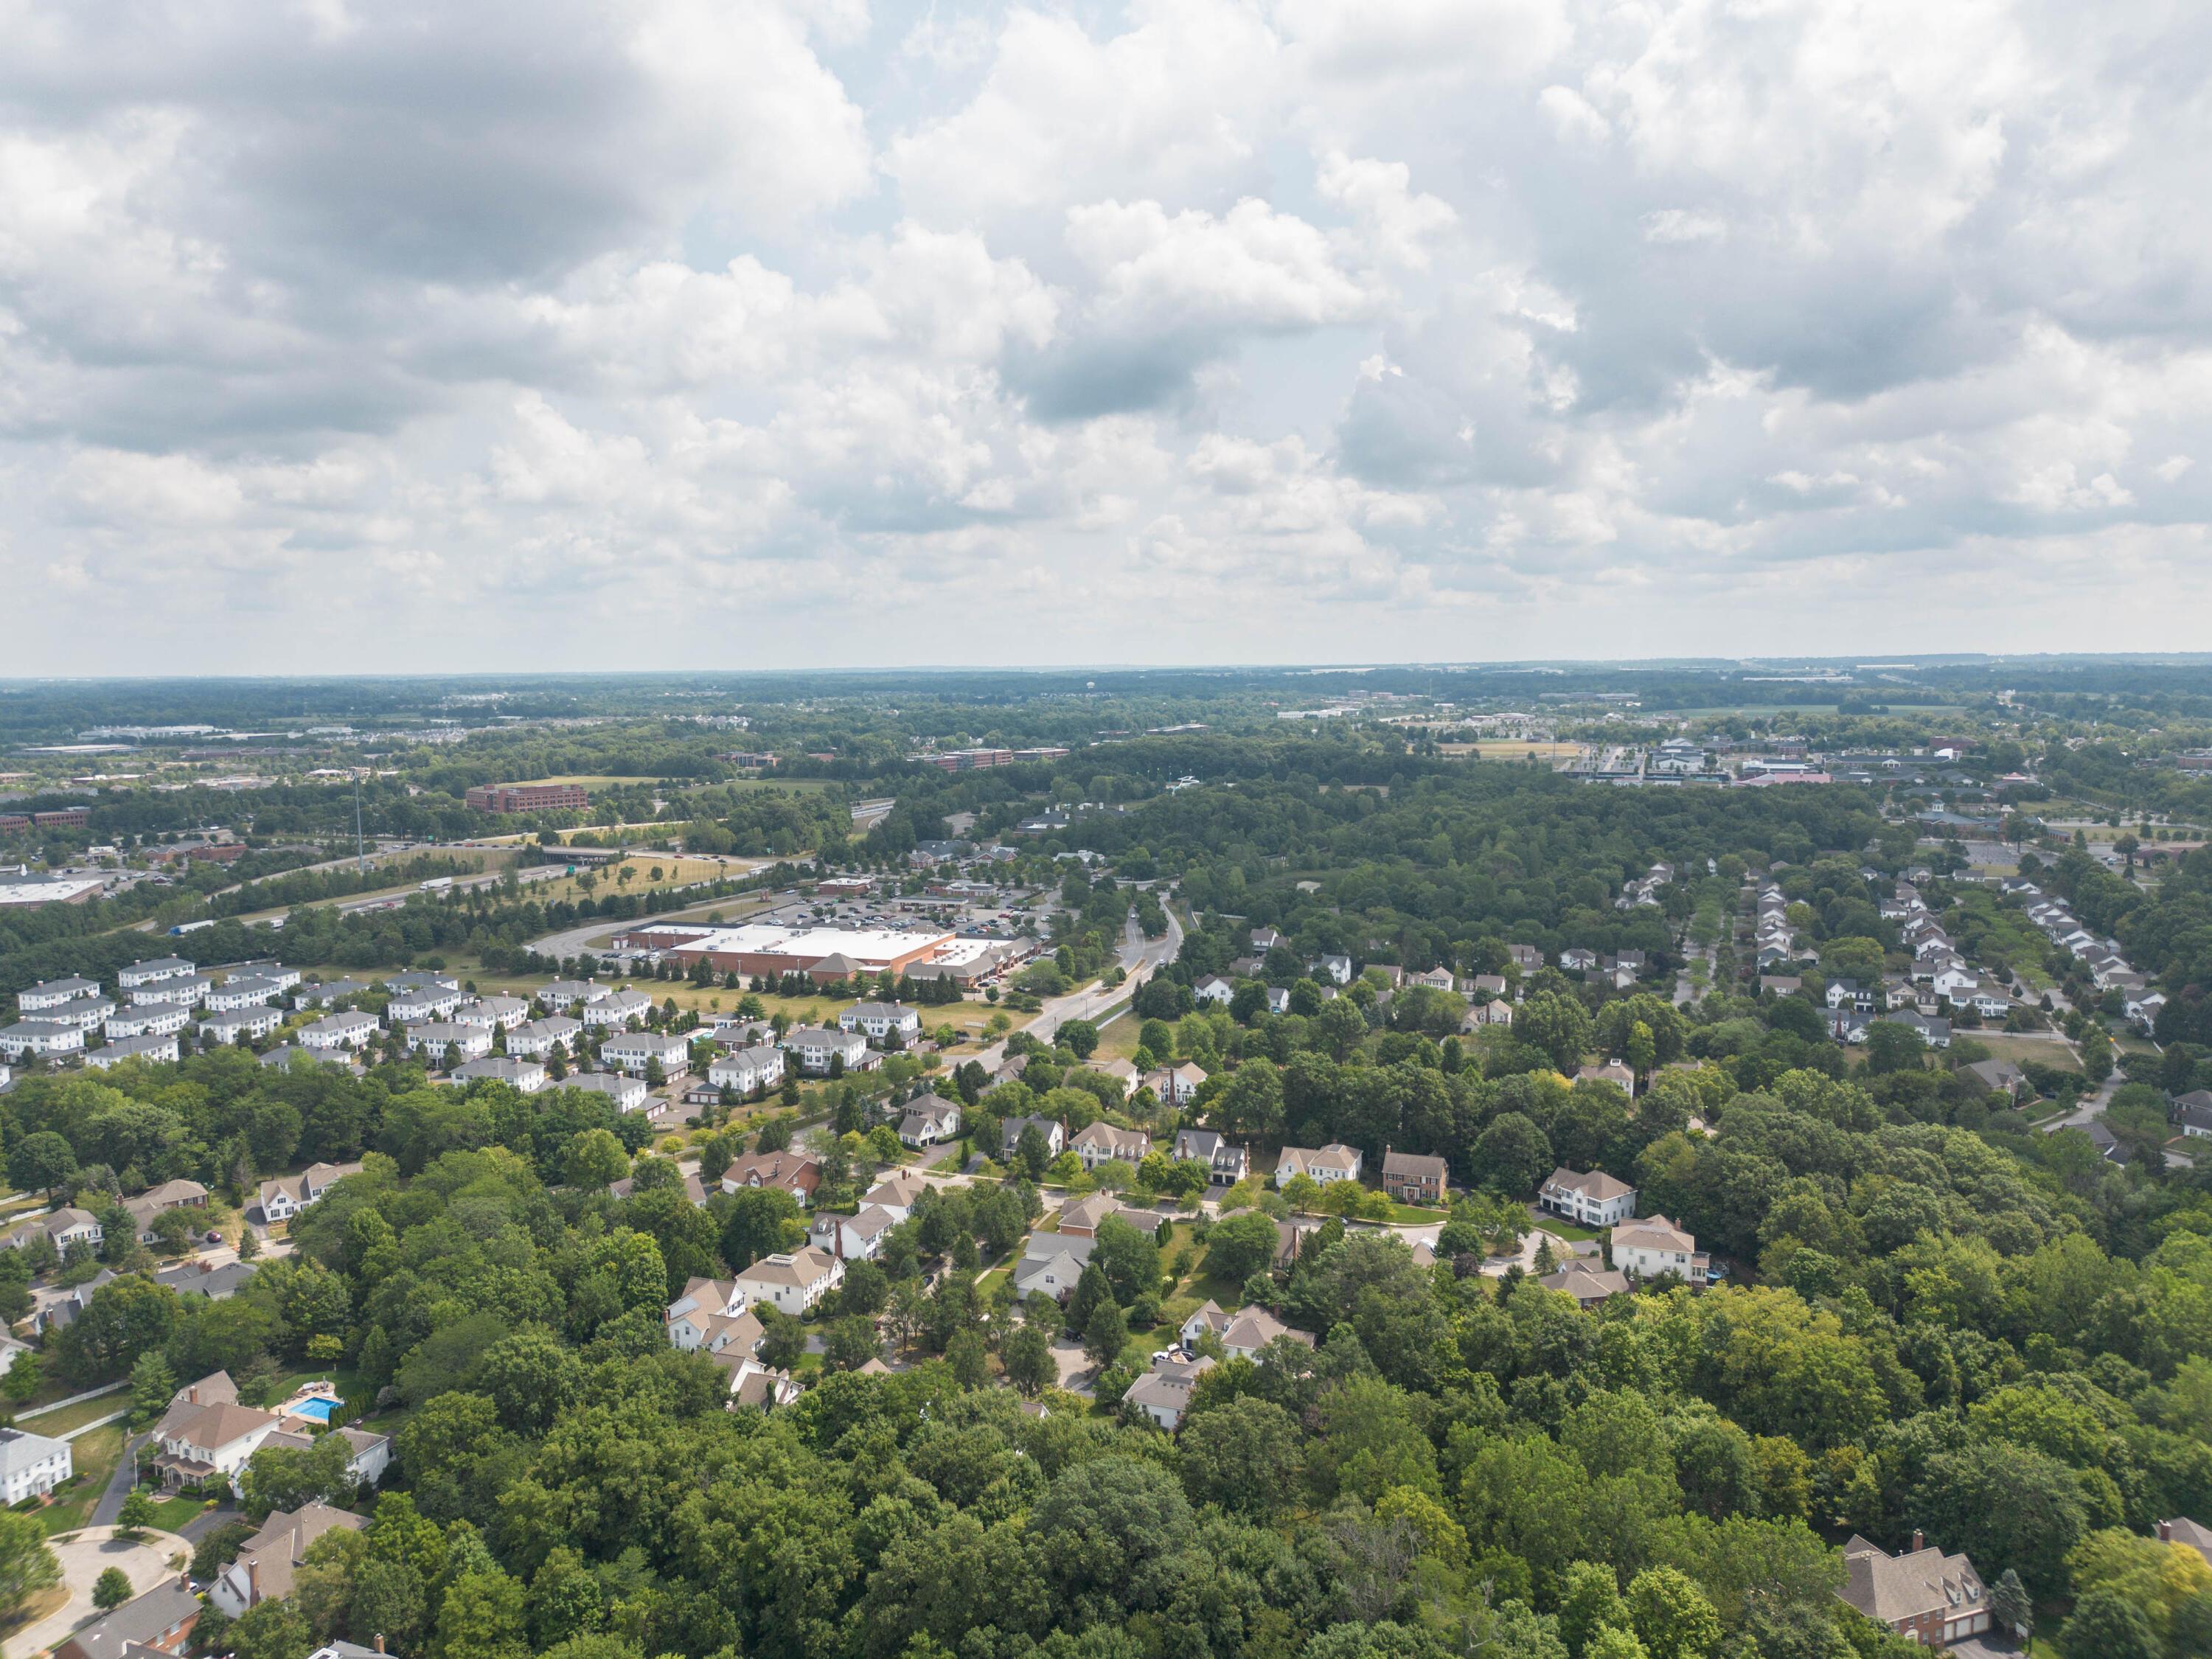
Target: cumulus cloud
x: 1453, y: 329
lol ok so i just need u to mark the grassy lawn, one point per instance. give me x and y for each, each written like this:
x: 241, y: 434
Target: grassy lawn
x: 95, y: 1455
x: 171, y: 1514
x: 2019, y: 1047
x: 1571, y: 1231
x: 990, y: 1281
x: 64, y: 1418
x: 42, y: 1605
x: 1416, y: 1215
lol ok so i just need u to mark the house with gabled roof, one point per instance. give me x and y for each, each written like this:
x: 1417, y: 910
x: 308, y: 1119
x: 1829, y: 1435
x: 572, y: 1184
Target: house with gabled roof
x: 1921, y: 1594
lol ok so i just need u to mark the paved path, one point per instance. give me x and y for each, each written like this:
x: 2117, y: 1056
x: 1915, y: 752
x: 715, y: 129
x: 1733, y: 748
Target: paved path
x: 119, y: 1484
x: 84, y: 1556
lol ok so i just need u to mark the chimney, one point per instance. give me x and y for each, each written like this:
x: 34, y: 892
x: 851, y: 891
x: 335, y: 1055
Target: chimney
x: 379, y: 1639
x: 2165, y: 1531
x: 1919, y: 1541
x: 252, y: 1581
x: 192, y: 1394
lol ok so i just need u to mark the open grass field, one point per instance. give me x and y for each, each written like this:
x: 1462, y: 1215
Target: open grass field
x: 676, y: 869
x: 2020, y: 1046
x: 1500, y: 749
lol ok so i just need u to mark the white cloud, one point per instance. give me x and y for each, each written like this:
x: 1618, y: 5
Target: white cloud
x: 1449, y: 328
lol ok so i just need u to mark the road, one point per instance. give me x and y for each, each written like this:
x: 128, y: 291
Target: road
x: 84, y: 1556
x: 1139, y: 957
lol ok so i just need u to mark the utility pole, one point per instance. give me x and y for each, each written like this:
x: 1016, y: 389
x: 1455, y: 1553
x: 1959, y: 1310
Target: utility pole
x: 360, y: 847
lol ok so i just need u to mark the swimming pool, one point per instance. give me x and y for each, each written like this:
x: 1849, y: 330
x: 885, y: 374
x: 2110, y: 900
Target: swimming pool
x: 321, y: 1410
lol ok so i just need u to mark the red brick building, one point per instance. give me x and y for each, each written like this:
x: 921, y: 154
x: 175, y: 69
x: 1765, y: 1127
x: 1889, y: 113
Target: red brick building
x: 528, y: 797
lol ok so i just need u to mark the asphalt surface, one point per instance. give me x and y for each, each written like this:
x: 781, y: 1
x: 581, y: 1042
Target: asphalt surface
x: 1139, y: 957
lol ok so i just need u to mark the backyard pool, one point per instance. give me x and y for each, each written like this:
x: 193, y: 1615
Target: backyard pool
x: 321, y: 1410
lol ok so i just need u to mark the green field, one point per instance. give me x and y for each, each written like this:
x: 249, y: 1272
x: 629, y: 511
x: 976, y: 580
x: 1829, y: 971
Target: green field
x: 95, y: 1454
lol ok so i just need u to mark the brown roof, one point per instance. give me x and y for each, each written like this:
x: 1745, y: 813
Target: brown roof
x: 1893, y: 1588
x: 1596, y: 1184
x: 1414, y: 1163
x: 282, y: 1545
x: 216, y: 1426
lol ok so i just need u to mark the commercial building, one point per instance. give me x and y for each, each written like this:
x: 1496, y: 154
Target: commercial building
x: 527, y: 797
x: 823, y: 954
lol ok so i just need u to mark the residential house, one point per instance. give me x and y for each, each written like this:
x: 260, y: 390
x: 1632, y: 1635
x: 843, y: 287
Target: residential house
x: 209, y: 1443
x: 494, y: 1014
x: 1617, y: 1073
x: 638, y: 1051
x: 2192, y: 1113
x: 1577, y: 958
x: 53, y: 992
x: 147, y: 1019
x: 788, y: 1171
x: 927, y: 1120
x: 630, y: 1094
x: 1847, y: 992
x: 421, y: 1007
x: 347, y: 1031
x: 2141, y: 1009
x: 880, y: 1021
x: 1780, y: 985
x: 421, y: 979
x: 286, y: 1196
x: 1922, y: 1595
x: 65, y: 1225
x: 1163, y: 1394
x: 1052, y: 1263
x: 243, y: 991
x: 204, y: 1279
x: 449, y: 1039
x: 1175, y: 1085
x: 1121, y: 1070
x: 1215, y: 989
x: 1336, y: 969
x: 1334, y: 1162
x: 160, y: 1622
x: 537, y: 1038
x: 709, y: 1316
x: 1437, y: 979
x: 1081, y: 1219
x: 524, y: 1076
x: 1252, y: 1328
x: 1009, y: 1134
x: 1496, y: 1012
x: 63, y: 1310
x: 744, y: 1070
x: 188, y: 989
x: 1647, y: 1249
x: 32, y: 1464
x: 326, y: 995
x: 898, y: 1193
x: 1589, y: 1282
x: 1935, y: 1033
x: 154, y: 970
x: 2188, y: 1533
x: 1278, y: 999
x: 1265, y: 939
x: 1226, y: 1164
x: 856, y: 1237
x: 1996, y: 1077
x: 1594, y: 1200
x: 137, y: 1048
x: 791, y: 1281
x: 1489, y: 985
x: 568, y: 993
x: 815, y: 1047
x: 616, y: 1009
x: 242, y: 1025
x: 1414, y: 1178
x: 1099, y: 1142
x: 40, y: 1039
x: 169, y: 1195
x: 266, y: 1566
x: 752, y: 1383
x: 84, y: 1013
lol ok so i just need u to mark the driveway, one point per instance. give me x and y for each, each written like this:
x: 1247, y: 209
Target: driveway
x: 1073, y: 1366
x: 119, y: 1484
x: 84, y: 1556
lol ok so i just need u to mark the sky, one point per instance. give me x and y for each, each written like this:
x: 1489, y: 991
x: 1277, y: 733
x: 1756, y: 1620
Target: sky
x: 399, y: 337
